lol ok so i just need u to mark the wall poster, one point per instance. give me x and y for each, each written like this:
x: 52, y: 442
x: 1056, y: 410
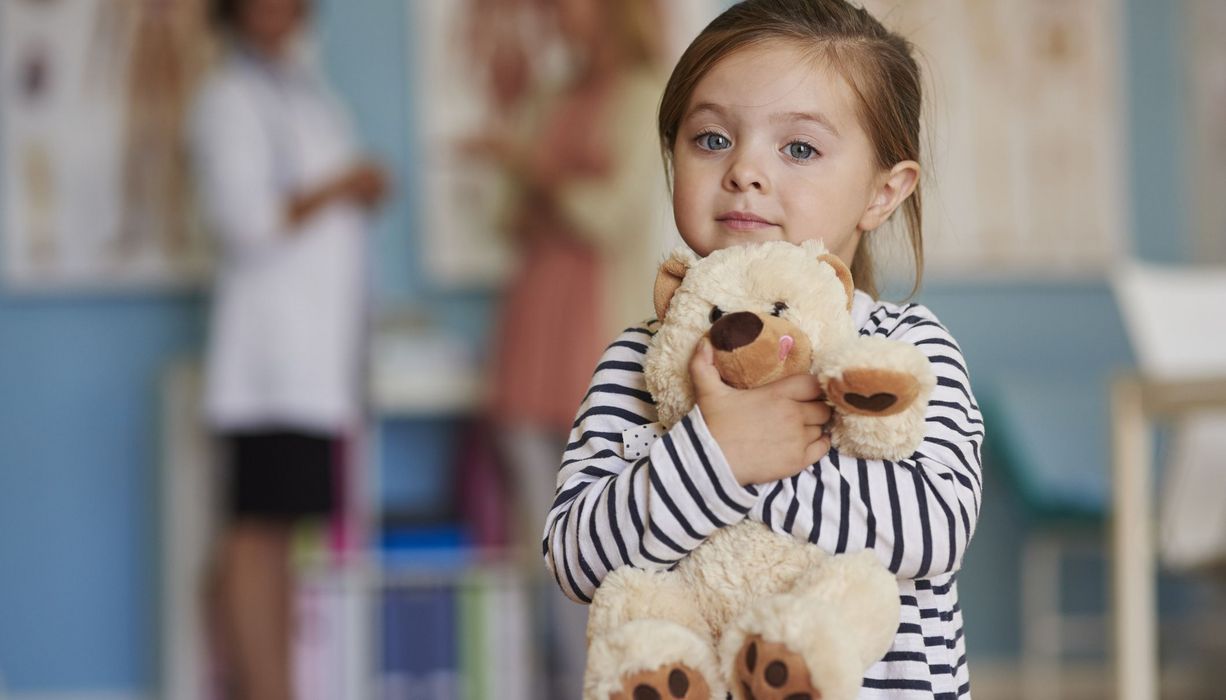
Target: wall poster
x: 1024, y: 134
x: 93, y: 95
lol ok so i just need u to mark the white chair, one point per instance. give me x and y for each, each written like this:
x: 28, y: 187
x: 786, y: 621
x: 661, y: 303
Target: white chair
x: 1176, y: 321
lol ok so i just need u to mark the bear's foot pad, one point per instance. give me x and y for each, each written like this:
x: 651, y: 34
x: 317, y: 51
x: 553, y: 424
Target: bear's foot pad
x: 873, y: 392
x: 771, y: 671
x: 668, y: 682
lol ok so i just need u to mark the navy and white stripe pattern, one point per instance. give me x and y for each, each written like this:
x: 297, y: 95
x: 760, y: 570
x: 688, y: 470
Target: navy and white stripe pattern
x: 917, y: 514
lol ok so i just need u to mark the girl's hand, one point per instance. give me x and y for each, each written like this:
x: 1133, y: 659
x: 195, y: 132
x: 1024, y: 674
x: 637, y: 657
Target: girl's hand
x: 768, y: 433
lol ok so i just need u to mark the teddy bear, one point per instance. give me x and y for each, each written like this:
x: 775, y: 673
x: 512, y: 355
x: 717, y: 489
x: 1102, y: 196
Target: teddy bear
x: 753, y: 613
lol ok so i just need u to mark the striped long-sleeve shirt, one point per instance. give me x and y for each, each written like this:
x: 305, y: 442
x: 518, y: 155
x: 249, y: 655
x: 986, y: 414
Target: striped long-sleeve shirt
x: 632, y: 494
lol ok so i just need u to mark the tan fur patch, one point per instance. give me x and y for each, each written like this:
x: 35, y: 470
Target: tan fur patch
x: 873, y: 392
x: 843, y: 273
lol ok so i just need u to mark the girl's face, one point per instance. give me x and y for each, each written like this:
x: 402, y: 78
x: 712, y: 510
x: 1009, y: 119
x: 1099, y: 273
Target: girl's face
x: 770, y: 148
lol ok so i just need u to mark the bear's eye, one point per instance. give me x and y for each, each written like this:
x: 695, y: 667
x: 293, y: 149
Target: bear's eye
x: 780, y: 307
x: 716, y: 314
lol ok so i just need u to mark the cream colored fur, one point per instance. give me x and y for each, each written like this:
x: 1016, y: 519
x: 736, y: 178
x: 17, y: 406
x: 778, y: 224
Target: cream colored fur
x: 839, y: 613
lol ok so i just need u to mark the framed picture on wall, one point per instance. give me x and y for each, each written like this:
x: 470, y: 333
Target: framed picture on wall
x: 463, y: 238
x: 95, y: 190
x: 1023, y: 134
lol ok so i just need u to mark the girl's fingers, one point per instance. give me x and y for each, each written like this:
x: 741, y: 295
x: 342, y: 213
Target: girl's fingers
x: 815, y: 413
x: 817, y: 449
x: 798, y: 387
x: 703, y: 373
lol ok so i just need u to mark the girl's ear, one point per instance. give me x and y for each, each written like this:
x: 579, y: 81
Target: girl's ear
x: 668, y: 279
x: 892, y: 190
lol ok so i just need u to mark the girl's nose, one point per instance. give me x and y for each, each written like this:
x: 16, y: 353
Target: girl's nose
x: 744, y: 175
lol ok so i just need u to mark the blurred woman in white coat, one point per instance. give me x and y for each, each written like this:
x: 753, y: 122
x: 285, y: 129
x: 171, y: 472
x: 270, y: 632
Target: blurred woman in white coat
x: 287, y: 195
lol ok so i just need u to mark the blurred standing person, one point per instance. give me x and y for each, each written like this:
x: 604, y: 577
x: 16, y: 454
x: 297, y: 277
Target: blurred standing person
x: 287, y: 195
x: 587, y: 217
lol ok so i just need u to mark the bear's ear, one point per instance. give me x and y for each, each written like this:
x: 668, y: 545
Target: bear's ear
x: 841, y: 271
x: 668, y: 279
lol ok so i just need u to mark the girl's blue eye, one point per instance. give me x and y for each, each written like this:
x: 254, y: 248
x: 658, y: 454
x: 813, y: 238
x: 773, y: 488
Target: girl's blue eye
x: 712, y: 141
x: 801, y: 150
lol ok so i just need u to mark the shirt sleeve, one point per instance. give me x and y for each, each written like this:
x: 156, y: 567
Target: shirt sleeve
x: 237, y: 181
x: 648, y: 512
x: 916, y: 514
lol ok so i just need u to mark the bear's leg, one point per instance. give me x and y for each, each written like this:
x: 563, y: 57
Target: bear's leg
x: 817, y: 640
x: 647, y: 639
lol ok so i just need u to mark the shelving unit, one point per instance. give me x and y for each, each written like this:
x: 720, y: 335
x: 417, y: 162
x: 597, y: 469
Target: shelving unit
x: 352, y: 642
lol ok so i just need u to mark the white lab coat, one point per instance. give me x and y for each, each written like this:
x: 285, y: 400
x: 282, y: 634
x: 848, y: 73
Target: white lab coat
x: 288, y: 306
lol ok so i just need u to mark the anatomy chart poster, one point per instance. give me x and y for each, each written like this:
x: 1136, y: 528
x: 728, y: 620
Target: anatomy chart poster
x: 93, y: 97
x: 1024, y: 133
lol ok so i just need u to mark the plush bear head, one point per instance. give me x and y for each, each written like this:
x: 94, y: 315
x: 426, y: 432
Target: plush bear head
x: 775, y: 309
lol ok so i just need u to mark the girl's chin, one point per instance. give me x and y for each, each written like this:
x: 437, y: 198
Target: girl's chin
x: 757, y: 235
x: 727, y: 239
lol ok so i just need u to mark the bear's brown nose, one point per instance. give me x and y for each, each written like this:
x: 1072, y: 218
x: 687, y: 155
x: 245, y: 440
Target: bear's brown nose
x: 735, y: 330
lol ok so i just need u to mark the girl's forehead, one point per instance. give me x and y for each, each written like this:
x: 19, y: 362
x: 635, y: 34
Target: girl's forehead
x: 774, y: 77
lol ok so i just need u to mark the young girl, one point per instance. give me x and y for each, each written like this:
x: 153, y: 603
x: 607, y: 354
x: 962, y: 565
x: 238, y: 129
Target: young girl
x: 786, y: 120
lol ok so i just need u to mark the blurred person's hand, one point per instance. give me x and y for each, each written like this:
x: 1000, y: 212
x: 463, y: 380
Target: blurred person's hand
x: 492, y: 144
x: 367, y: 183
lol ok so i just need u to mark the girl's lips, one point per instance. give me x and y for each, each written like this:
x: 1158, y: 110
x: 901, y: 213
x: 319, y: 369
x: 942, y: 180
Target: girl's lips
x: 742, y: 221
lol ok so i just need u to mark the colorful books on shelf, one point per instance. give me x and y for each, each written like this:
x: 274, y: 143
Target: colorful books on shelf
x: 420, y: 646
x: 467, y: 639
x: 497, y: 646
x: 328, y: 646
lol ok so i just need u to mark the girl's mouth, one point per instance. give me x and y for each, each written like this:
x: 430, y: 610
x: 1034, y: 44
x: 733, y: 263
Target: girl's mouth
x: 742, y: 221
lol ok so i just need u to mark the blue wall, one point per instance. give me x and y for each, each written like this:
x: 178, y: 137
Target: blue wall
x: 77, y: 425
x: 78, y: 411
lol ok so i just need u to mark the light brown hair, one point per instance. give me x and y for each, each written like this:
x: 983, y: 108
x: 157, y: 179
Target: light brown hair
x: 877, y: 64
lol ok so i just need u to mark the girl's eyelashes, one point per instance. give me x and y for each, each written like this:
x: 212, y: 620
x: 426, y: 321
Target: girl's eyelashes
x: 712, y: 141
x: 797, y: 149
x: 779, y: 308
x: 801, y: 150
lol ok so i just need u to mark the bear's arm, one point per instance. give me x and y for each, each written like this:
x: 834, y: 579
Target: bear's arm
x: 648, y: 512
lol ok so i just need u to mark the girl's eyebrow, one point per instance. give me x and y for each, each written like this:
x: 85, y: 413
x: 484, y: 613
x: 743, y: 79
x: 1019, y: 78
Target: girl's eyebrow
x: 815, y: 117
x: 821, y: 120
x: 705, y: 107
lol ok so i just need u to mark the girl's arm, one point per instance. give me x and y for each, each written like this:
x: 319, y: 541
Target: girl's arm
x: 917, y: 514
x: 614, y: 508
